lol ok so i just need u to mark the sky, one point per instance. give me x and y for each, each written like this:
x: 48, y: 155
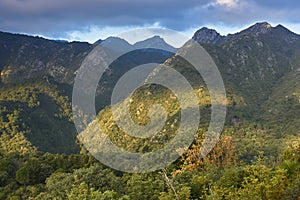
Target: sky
x: 90, y: 20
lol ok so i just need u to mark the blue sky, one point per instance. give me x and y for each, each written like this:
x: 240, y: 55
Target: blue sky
x: 90, y: 20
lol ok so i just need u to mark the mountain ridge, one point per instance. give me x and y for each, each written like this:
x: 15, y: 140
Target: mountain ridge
x: 211, y: 36
x: 256, y: 156
x: 251, y: 65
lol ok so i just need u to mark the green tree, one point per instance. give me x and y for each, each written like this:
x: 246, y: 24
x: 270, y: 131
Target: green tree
x: 23, y: 176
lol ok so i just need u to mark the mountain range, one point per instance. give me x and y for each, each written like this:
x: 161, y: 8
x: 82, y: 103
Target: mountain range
x: 260, y: 67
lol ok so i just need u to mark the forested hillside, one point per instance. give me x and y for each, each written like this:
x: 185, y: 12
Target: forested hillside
x: 257, y: 156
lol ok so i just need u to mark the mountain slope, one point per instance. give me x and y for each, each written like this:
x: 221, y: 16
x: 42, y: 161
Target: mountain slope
x: 39, y: 112
x: 283, y: 106
x: 256, y: 157
x: 251, y: 63
x: 43, y: 71
x: 25, y: 57
x: 255, y: 64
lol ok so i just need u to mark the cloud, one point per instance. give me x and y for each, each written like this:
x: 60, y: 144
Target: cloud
x: 229, y: 4
x: 78, y: 18
x: 94, y: 32
x: 35, y: 15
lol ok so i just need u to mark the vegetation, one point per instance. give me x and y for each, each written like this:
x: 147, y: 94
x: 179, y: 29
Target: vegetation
x: 257, y: 156
x: 221, y: 175
x: 36, y: 115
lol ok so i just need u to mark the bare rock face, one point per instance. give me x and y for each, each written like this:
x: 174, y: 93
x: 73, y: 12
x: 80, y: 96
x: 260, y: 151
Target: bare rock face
x: 208, y: 36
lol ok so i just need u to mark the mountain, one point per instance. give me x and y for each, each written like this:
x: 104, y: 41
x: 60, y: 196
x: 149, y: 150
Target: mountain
x: 25, y: 57
x: 34, y: 66
x: 258, y: 28
x: 35, y: 82
x: 256, y: 156
x: 254, y: 59
x: 259, y: 67
x: 208, y: 36
x: 154, y: 42
x: 50, y: 58
x: 151, y: 50
x: 117, y: 44
x: 254, y: 63
x: 211, y: 36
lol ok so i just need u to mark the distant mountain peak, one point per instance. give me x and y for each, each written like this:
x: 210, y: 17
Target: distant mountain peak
x: 151, y: 40
x: 120, y: 44
x: 117, y: 44
x: 114, y: 39
x: 154, y: 42
x: 156, y: 37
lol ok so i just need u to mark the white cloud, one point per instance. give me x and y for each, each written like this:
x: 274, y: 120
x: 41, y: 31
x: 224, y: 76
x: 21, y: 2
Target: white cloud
x: 229, y: 4
x: 94, y: 33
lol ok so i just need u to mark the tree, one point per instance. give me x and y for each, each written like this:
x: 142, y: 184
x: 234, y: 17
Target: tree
x: 23, y: 176
x: 222, y: 155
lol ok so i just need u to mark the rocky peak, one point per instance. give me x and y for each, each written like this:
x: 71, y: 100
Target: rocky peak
x: 281, y: 29
x: 258, y: 28
x: 207, y: 36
